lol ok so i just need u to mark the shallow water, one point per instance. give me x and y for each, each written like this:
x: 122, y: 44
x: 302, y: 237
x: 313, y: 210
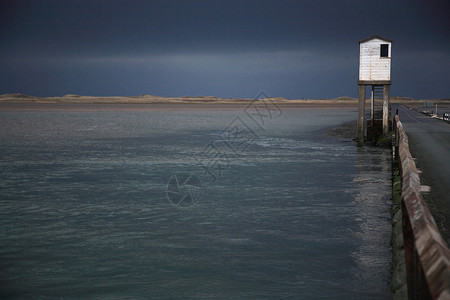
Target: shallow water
x: 280, y: 209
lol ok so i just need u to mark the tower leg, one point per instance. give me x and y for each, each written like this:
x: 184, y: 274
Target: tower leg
x: 386, y: 104
x: 372, y: 104
x: 361, y: 112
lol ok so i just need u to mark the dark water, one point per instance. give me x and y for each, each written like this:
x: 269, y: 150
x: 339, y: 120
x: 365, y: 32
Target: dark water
x: 285, y: 211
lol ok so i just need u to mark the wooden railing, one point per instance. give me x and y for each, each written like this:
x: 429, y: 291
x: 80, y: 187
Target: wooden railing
x: 427, y: 256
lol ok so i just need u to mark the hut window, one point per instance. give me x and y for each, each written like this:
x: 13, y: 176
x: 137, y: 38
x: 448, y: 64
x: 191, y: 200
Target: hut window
x: 384, y: 50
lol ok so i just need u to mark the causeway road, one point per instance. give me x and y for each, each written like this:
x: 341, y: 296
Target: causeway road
x: 429, y: 143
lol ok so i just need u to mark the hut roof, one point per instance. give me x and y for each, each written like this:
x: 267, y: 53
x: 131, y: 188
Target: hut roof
x: 375, y: 37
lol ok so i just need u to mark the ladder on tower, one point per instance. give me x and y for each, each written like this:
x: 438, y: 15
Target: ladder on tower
x: 377, y: 93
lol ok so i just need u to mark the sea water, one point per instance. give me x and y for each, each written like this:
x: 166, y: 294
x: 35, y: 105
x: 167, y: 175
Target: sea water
x: 190, y: 202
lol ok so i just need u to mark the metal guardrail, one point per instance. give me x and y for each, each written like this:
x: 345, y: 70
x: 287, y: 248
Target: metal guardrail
x: 427, y: 256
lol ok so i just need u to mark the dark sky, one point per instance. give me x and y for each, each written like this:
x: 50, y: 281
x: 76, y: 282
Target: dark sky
x: 291, y: 49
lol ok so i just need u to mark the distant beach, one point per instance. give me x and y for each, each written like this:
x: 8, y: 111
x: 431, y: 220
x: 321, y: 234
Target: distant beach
x: 207, y: 100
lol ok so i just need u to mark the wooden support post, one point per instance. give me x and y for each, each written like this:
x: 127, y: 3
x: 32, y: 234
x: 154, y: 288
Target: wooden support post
x: 361, y: 112
x: 372, y: 104
x: 386, y: 104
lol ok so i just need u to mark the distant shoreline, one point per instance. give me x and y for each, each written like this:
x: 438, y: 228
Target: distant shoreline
x: 206, y: 100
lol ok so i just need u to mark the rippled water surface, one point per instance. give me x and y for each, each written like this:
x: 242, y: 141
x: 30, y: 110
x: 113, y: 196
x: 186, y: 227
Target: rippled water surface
x: 282, y: 210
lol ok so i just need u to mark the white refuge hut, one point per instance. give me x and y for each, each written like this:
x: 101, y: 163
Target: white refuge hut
x: 375, y: 59
x: 374, y: 70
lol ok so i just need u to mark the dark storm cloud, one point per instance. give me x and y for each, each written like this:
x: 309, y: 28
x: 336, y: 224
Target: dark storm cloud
x: 85, y: 27
x: 224, y: 48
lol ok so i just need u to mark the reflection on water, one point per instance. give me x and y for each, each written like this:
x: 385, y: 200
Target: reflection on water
x: 372, y: 203
x: 85, y: 213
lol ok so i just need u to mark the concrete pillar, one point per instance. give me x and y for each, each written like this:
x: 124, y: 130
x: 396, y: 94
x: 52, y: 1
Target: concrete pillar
x: 386, y: 110
x: 372, y: 104
x: 361, y: 112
